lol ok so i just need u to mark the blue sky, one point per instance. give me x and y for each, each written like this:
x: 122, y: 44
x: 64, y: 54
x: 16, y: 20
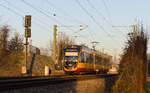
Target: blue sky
x: 69, y: 12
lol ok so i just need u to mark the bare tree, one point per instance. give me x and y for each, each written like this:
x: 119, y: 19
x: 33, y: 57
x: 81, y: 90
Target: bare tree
x: 4, y: 34
x: 62, y: 42
x: 16, y: 43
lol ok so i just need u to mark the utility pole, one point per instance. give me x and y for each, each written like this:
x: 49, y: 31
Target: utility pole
x: 59, y: 48
x: 27, y: 35
x: 134, y: 31
x: 54, y: 44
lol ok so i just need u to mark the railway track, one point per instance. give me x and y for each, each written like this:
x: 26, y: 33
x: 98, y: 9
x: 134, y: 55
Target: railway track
x: 23, y: 82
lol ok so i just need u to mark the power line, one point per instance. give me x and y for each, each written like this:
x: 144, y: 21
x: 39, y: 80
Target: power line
x: 91, y: 17
x: 18, y: 14
x: 108, y: 12
x: 10, y: 4
x: 63, y: 12
x: 85, y: 11
x: 101, y: 27
x: 98, y: 12
x: 38, y: 10
x: 33, y: 8
x: 11, y: 10
x: 19, y: 10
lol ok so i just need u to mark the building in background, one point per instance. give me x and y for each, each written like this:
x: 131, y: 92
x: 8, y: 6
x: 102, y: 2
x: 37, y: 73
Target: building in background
x: 34, y: 50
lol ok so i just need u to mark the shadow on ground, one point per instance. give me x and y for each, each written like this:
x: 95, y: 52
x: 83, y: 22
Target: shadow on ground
x: 109, y: 83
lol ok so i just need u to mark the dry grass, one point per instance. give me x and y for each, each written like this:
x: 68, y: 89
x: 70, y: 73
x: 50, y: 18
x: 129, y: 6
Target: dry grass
x: 15, y: 61
x: 11, y: 65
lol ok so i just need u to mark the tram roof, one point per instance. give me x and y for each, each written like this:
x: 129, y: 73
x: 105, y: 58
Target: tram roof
x: 89, y: 49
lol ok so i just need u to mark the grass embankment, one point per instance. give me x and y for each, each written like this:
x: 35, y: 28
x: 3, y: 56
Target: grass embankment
x: 11, y: 65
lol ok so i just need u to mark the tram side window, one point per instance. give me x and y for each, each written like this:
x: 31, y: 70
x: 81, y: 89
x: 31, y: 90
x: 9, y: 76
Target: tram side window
x: 91, y: 58
x: 102, y: 61
x: 99, y: 60
x: 82, y: 57
x: 96, y: 57
x: 105, y: 61
x: 85, y: 55
x: 88, y: 58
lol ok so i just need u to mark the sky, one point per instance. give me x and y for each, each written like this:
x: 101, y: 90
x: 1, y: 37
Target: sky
x: 99, y: 15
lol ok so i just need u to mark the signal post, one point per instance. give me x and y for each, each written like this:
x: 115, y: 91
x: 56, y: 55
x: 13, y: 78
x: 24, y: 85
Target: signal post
x: 27, y: 35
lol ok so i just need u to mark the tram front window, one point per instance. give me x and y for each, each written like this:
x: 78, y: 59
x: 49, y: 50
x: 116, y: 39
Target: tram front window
x: 71, y: 58
x: 71, y: 61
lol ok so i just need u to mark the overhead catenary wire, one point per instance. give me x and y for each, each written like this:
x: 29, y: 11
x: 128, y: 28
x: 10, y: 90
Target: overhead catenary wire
x: 18, y: 14
x: 66, y: 14
x: 12, y: 10
x: 106, y: 8
x: 45, y: 14
x: 63, y: 12
x: 30, y: 5
x: 100, y: 14
x: 10, y: 4
x: 38, y: 10
x: 85, y: 10
x: 101, y: 27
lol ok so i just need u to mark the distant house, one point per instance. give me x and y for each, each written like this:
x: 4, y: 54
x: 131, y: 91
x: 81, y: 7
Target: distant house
x: 34, y: 50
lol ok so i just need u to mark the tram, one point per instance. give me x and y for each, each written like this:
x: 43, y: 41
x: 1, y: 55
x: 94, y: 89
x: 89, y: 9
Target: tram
x: 81, y: 59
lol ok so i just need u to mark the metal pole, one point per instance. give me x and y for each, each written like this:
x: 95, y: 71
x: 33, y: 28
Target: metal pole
x: 26, y: 54
x: 94, y: 61
x: 54, y: 44
x: 27, y: 35
x: 134, y: 31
